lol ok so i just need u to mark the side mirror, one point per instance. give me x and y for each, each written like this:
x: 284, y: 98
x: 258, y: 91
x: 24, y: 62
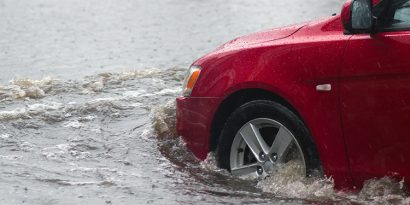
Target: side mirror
x: 357, y: 16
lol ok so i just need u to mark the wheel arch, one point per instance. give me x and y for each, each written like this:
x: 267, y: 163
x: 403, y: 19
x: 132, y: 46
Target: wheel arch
x: 235, y: 100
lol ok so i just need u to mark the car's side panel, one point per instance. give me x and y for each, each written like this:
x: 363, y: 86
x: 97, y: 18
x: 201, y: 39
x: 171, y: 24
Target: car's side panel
x: 375, y: 103
x: 292, y: 68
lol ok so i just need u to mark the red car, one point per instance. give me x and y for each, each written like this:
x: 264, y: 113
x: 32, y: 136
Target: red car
x: 333, y: 94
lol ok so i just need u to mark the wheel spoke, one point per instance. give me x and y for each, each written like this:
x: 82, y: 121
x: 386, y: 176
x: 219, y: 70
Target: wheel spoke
x: 245, y: 170
x: 254, y: 140
x: 281, y: 144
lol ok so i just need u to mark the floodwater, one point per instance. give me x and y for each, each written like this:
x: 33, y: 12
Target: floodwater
x: 87, y: 112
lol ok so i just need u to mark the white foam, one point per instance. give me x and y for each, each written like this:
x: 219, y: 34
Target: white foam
x: 382, y: 191
x: 163, y: 118
x: 29, y: 111
x: 25, y: 146
x: 87, y: 118
x: 22, y: 88
x: 168, y: 91
x: 127, y: 100
x: 18, y: 113
x: 73, y: 124
x: 210, y: 163
x: 11, y: 157
x: 289, y: 181
x: 5, y: 136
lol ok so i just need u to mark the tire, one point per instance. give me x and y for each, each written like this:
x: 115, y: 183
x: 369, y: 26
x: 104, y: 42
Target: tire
x: 283, y: 136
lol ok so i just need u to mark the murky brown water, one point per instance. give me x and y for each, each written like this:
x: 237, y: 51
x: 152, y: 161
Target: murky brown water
x: 85, y: 118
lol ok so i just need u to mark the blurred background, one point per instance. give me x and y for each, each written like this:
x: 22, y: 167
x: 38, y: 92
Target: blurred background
x: 71, y: 38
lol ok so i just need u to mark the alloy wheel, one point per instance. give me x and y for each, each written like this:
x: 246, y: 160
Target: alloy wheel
x: 261, y: 146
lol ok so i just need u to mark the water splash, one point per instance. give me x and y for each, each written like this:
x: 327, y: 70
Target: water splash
x: 288, y: 182
x: 94, y: 135
x: 22, y: 88
x: 385, y: 190
x: 164, y: 120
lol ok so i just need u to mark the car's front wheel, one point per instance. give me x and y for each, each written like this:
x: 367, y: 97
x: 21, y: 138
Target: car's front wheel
x: 260, y: 136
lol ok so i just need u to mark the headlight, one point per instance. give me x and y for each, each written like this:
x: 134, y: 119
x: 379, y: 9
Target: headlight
x: 190, y: 80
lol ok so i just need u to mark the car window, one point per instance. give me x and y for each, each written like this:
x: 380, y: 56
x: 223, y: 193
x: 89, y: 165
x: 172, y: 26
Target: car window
x: 401, y: 17
x: 398, y: 16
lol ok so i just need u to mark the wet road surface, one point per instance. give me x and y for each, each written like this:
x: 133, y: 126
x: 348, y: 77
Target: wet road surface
x: 87, y: 108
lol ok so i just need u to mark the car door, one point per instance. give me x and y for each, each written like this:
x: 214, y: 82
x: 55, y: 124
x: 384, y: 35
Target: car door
x: 375, y: 97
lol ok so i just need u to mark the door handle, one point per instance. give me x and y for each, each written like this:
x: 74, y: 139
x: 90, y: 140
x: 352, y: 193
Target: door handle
x: 324, y: 87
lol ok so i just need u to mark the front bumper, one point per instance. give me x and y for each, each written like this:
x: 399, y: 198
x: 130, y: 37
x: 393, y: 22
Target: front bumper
x: 194, y: 120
